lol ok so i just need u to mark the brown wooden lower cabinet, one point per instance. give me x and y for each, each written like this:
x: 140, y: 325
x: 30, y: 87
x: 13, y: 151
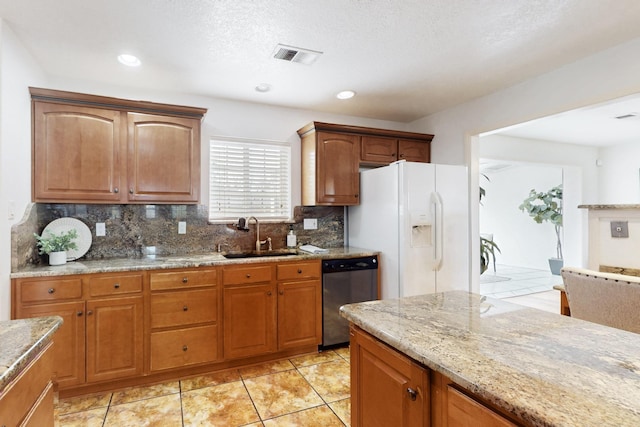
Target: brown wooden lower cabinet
x: 390, y: 389
x: 28, y: 399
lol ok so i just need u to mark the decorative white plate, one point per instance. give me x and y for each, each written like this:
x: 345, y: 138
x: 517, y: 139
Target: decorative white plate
x: 83, y: 241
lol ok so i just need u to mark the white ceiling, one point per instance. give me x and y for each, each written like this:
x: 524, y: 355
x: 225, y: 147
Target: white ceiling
x: 405, y: 58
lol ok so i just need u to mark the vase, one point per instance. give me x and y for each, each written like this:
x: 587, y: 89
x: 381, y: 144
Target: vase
x: 57, y: 258
x: 555, y: 265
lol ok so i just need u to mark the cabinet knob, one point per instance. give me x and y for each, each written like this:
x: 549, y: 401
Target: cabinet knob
x: 116, y: 285
x: 299, y: 271
x: 79, y: 314
x: 131, y: 191
x: 356, y: 196
x: 185, y: 308
x: 413, y: 394
x: 185, y: 348
x: 89, y: 312
x: 116, y: 190
x: 248, y: 276
x: 281, y: 292
x: 51, y: 290
x: 393, y: 154
x: 185, y: 279
x: 269, y: 293
x: 401, y: 155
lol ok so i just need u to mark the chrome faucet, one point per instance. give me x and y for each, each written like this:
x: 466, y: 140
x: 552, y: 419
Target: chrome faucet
x: 259, y: 242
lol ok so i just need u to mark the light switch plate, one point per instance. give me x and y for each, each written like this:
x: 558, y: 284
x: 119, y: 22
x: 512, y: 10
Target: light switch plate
x: 619, y: 229
x: 182, y: 227
x: 101, y: 230
x: 310, y: 224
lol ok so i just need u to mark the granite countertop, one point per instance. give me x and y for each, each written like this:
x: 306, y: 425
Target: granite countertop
x: 602, y: 207
x: 20, y: 341
x: 544, y: 368
x: 176, y: 261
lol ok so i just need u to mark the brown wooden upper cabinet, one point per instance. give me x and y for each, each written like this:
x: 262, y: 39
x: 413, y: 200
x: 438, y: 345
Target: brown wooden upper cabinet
x: 94, y: 149
x: 332, y: 155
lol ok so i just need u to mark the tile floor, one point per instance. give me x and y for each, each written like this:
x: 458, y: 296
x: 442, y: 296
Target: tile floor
x: 310, y: 390
x: 525, y: 286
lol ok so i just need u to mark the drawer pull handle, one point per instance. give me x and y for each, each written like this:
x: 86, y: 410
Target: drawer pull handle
x: 79, y: 314
x: 185, y: 279
x: 185, y: 348
x: 281, y: 292
x: 131, y: 191
x: 116, y: 190
x: 89, y: 312
x: 299, y: 271
x: 185, y: 308
x: 51, y: 290
x: 117, y: 285
x: 269, y: 293
x: 248, y: 276
x: 412, y: 394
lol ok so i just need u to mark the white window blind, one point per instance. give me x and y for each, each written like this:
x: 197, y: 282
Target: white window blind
x: 249, y: 178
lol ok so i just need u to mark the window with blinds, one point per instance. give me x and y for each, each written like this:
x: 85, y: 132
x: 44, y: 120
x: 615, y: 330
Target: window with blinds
x: 249, y: 179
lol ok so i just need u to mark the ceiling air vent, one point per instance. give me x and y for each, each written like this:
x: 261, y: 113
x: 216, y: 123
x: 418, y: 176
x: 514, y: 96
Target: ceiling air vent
x: 627, y: 116
x: 296, y: 54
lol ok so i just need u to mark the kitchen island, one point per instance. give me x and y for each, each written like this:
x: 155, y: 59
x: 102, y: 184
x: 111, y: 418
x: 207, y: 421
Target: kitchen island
x: 26, y: 370
x: 526, y: 366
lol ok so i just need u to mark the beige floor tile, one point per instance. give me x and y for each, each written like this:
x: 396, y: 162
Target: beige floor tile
x: 344, y: 353
x: 221, y: 405
x: 133, y: 394
x: 163, y: 411
x: 209, y: 380
x: 314, y: 359
x: 342, y: 408
x: 90, y: 418
x: 83, y: 403
x: 330, y: 380
x: 320, y: 416
x: 281, y: 393
x: 266, y: 368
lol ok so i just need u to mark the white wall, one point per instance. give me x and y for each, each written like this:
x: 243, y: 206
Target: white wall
x: 17, y: 70
x: 620, y: 174
x: 608, y: 75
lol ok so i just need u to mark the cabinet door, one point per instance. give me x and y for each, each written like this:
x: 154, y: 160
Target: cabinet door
x: 68, y: 341
x: 299, y: 314
x: 338, y: 181
x: 465, y: 411
x: 249, y: 320
x: 163, y: 158
x: 414, y: 151
x: 114, y: 338
x: 387, y: 388
x: 76, y: 153
x: 377, y: 150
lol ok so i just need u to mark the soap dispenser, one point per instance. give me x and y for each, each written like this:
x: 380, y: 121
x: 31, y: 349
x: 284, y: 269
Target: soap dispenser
x: 291, y: 238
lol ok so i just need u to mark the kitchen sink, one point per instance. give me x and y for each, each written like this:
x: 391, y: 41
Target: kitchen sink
x: 256, y: 254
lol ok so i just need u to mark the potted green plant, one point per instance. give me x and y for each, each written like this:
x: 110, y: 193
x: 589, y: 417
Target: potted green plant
x: 546, y: 206
x: 56, y: 245
x: 488, y: 250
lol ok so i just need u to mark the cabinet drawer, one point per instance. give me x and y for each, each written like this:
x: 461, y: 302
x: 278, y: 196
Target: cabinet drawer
x: 183, y: 347
x: 182, y: 279
x: 50, y: 290
x: 246, y: 275
x: 184, y: 308
x: 23, y: 392
x: 462, y: 410
x: 299, y: 270
x: 113, y: 285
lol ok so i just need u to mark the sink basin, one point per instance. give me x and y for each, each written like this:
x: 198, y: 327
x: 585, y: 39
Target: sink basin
x: 255, y: 254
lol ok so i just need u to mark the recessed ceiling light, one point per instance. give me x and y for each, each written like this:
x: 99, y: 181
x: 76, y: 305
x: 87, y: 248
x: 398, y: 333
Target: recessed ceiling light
x: 263, y: 87
x: 346, y: 94
x: 129, y: 60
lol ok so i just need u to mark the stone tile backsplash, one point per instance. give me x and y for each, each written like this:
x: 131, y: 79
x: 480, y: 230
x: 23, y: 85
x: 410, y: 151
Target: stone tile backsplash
x: 137, y: 230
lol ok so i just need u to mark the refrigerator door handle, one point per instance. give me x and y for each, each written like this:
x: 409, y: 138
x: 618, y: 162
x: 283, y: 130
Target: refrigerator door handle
x: 436, y: 200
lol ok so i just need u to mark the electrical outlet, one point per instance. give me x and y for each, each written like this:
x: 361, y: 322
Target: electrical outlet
x: 182, y: 227
x: 100, y: 229
x: 310, y: 224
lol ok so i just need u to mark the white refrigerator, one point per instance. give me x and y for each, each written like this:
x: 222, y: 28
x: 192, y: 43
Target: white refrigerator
x: 416, y: 215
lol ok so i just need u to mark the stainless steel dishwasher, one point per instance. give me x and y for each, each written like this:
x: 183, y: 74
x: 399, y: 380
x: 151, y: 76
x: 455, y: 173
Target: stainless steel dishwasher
x: 345, y: 281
